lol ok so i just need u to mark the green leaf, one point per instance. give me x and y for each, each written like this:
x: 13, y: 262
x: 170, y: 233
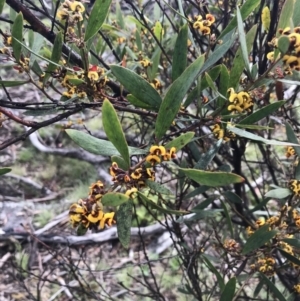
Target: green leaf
x: 286, y: 15
x: 253, y: 127
x: 207, y: 157
x: 11, y: 83
x: 290, y: 257
x: 158, y: 30
x: 262, y: 113
x: 97, y: 18
x: 246, y: 10
x: 276, y: 293
x: 210, y: 178
x: 204, y: 204
x: 2, y: 2
x: 232, y: 197
x: 242, y: 39
x: 197, y: 191
x: 238, y: 61
x: 137, y: 103
x: 37, y: 43
x: 180, y: 141
x: 202, y: 214
x: 283, y: 44
x: 180, y: 53
x: 5, y: 170
x: 278, y: 193
x: 291, y: 137
x: 172, y: 101
x: 243, y: 133
x: 224, y: 81
x: 158, y: 187
x: 296, y: 13
x: 229, y: 290
x: 137, y: 86
x: 196, y: 92
x: 76, y: 81
x: 124, y: 219
x: 258, y: 239
x: 228, y: 218
x: 17, y: 35
x: 145, y: 199
x: 113, y: 130
x: 114, y: 199
x: 81, y: 230
x: 98, y: 146
x: 215, y: 271
x: 55, y: 56
x: 218, y: 53
x: 293, y: 242
x: 119, y: 15
x: 152, y: 71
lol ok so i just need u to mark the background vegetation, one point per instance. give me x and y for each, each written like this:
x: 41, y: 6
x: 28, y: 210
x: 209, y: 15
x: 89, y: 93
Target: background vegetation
x: 149, y: 150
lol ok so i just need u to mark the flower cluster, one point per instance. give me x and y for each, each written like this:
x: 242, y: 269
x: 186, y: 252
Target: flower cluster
x: 291, y: 59
x: 23, y: 63
x: 297, y: 288
x: 133, y: 178
x: 71, y: 11
x: 290, y: 152
x: 286, y: 223
x: 203, y: 26
x: 239, y: 102
x: 265, y: 265
x: 221, y: 133
x: 79, y: 82
x: 294, y: 185
x: 159, y: 153
x: 88, y: 212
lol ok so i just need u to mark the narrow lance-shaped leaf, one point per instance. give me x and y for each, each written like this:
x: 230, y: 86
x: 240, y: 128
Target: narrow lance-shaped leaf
x: 291, y: 137
x: 262, y: 113
x: 3, y: 171
x: 243, y: 133
x: 114, y: 199
x: 180, y: 141
x: 258, y: 239
x: 180, y: 53
x: 172, y: 101
x: 215, y: 271
x: 2, y: 2
x: 217, y: 54
x: 207, y: 157
x: 238, y: 61
x: 17, y: 35
x: 277, y: 294
x: 229, y: 290
x: 296, y: 13
x: 286, y: 14
x: 246, y: 10
x: 210, y: 178
x: 242, y: 39
x: 55, y: 56
x: 278, y: 193
x: 224, y: 80
x: 11, y: 83
x: 113, y: 130
x: 98, y: 146
x: 228, y: 218
x: 124, y: 219
x: 97, y: 18
x: 137, y: 86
